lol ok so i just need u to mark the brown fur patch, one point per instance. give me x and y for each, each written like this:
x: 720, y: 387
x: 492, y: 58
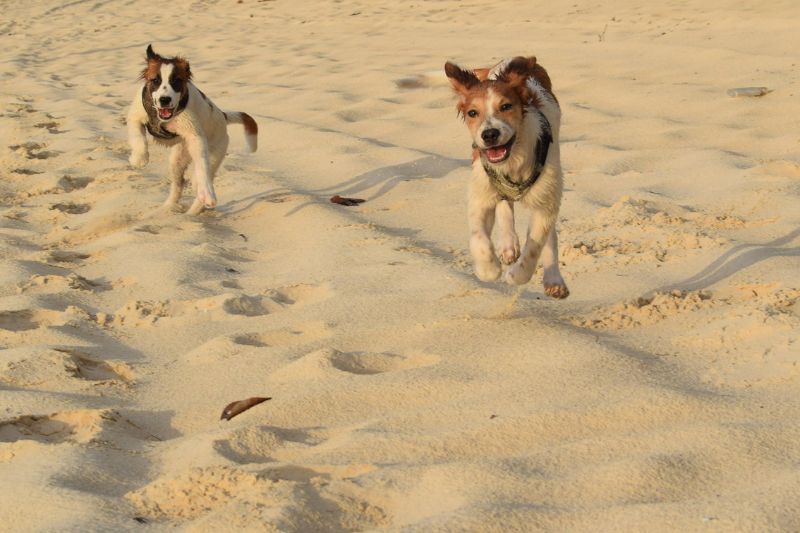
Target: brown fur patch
x: 471, y: 84
x: 250, y: 125
x: 182, y: 71
x: 527, y: 67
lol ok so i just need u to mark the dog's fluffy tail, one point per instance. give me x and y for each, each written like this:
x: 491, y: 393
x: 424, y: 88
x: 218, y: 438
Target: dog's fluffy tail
x: 250, y: 127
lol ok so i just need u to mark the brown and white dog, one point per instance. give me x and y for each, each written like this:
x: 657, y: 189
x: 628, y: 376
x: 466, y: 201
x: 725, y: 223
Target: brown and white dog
x: 178, y: 114
x: 514, y: 120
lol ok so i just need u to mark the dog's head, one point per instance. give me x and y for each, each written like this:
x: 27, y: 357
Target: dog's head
x: 493, y: 103
x: 166, y: 81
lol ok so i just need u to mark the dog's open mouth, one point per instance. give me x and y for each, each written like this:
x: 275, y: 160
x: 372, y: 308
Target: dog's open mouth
x: 498, y: 154
x: 165, y: 113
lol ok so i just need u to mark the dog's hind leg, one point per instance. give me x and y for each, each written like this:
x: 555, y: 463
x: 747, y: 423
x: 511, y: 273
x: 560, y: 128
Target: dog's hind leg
x: 178, y: 162
x: 508, y: 242
x: 553, y: 282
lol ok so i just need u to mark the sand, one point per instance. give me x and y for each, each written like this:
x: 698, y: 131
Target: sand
x: 406, y: 395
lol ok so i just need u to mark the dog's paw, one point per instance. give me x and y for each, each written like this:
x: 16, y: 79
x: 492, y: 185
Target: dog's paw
x: 559, y: 290
x: 138, y: 159
x: 172, y: 207
x: 488, y: 271
x: 508, y: 250
x: 206, y: 197
x: 517, y: 275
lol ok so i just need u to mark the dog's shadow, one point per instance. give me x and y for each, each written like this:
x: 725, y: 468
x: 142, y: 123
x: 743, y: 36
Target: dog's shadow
x: 387, y: 178
x: 736, y: 259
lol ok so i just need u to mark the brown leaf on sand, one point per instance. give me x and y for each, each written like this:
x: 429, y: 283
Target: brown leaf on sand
x: 239, y: 407
x: 341, y: 200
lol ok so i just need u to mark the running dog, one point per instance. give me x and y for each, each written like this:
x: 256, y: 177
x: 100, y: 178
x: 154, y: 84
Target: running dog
x: 176, y: 113
x: 514, y: 118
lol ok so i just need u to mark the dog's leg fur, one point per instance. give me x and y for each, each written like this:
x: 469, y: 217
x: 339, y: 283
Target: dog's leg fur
x: 197, y: 146
x: 541, y: 225
x: 219, y: 150
x: 137, y: 139
x: 178, y: 162
x: 553, y: 282
x: 508, y: 242
x: 481, y: 221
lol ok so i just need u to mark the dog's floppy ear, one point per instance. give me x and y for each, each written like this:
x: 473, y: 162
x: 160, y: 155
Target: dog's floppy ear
x: 517, y: 72
x: 153, y: 61
x: 151, y: 55
x: 182, y: 68
x: 462, y: 81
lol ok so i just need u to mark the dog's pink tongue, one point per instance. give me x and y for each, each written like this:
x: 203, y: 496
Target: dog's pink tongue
x: 164, y: 113
x: 496, y: 153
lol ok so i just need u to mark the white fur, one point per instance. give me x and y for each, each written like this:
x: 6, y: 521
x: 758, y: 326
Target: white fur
x: 543, y: 199
x: 202, y: 139
x: 491, y: 121
x: 165, y: 89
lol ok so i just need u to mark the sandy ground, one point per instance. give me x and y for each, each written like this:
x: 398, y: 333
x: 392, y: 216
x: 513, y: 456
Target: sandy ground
x: 407, y: 395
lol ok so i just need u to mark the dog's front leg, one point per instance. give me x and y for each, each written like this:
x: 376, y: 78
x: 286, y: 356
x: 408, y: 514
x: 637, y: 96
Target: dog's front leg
x: 553, y: 282
x: 481, y: 220
x: 179, y: 160
x: 137, y: 141
x: 522, y: 271
x: 204, y: 188
x: 508, y: 242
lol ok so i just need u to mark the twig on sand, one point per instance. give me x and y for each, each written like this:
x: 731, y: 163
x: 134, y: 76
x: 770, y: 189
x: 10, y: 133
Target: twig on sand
x: 341, y: 200
x: 240, y: 406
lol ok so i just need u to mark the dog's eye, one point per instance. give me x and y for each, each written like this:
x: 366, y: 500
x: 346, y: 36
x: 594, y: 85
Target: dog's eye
x: 506, y: 107
x: 157, y: 81
x: 472, y: 113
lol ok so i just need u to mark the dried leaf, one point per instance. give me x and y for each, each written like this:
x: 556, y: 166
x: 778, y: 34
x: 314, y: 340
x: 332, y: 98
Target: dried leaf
x: 239, y: 407
x: 341, y: 200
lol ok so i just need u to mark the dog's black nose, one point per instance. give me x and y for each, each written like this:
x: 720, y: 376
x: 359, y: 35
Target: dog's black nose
x: 490, y: 135
x: 164, y: 100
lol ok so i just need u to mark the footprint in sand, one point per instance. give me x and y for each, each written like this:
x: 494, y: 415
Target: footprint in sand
x: 27, y: 319
x: 377, y: 363
x: 283, y: 337
x: 250, y: 305
x: 81, y: 426
x: 277, y: 498
x: 52, y: 126
x: 83, y: 366
x: 326, y: 362
x: 198, y: 492
x: 263, y: 444
x: 71, y: 208
x: 227, y: 346
x: 143, y: 312
x: 57, y: 283
x: 26, y: 171
x: 70, y: 183
x: 34, y: 150
x: 148, y: 228
x: 59, y: 368
x: 63, y: 256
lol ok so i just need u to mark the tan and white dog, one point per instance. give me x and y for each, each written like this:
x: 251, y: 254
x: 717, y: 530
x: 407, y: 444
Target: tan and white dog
x: 514, y: 120
x: 176, y: 113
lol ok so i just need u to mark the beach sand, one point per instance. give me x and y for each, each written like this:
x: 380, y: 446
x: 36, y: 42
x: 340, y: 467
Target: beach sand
x: 406, y: 394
